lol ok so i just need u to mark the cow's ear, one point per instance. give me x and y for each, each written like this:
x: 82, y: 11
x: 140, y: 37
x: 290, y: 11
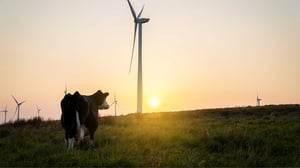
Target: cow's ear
x: 106, y: 94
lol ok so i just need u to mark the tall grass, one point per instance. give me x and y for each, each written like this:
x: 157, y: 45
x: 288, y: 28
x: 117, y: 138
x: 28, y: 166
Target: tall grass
x: 250, y: 136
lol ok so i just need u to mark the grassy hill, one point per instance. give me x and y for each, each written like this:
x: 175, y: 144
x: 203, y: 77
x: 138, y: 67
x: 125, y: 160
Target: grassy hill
x: 248, y: 136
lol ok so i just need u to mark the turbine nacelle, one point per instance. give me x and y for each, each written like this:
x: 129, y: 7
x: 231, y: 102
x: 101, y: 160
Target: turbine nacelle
x: 142, y: 20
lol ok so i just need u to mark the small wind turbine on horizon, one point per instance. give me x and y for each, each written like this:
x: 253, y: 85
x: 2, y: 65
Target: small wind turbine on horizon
x: 38, y: 110
x: 138, y: 22
x: 258, y: 100
x: 66, y: 89
x: 5, y: 111
x: 18, y: 107
x: 115, y: 102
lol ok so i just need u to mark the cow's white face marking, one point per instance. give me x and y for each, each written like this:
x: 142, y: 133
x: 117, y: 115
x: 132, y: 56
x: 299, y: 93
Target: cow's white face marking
x: 104, y: 105
x: 70, y: 143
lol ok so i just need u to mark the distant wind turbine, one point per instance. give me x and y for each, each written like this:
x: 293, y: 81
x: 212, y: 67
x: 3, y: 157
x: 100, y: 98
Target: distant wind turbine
x: 66, y: 90
x: 115, y: 102
x: 18, y: 107
x: 38, y: 110
x: 5, y: 111
x: 138, y: 22
x: 258, y: 100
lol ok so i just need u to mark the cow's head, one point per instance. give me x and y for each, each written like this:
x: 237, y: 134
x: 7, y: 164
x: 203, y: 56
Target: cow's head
x: 101, y: 100
x: 68, y: 119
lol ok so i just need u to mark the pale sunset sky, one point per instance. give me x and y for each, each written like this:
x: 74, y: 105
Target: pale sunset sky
x: 196, y: 53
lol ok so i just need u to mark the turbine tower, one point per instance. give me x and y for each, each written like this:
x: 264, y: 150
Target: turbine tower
x: 5, y: 111
x: 258, y: 100
x: 115, y: 102
x: 138, y: 22
x: 18, y: 107
x: 38, y: 110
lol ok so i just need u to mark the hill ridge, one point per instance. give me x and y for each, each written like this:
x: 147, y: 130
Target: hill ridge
x: 247, y: 136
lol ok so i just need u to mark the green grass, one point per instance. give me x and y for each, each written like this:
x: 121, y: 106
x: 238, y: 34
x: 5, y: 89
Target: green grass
x: 249, y: 136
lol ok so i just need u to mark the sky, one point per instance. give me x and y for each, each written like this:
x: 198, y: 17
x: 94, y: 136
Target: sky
x: 196, y: 53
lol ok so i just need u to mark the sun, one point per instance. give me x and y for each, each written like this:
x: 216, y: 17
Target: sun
x: 154, y: 102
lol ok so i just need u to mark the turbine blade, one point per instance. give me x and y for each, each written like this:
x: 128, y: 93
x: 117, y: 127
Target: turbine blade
x: 132, y: 10
x: 141, y: 12
x: 22, y: 103
x: 135, y: 28
x: 15, y: 99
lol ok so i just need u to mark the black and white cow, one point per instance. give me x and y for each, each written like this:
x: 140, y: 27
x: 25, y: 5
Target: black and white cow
x: 80, y: 115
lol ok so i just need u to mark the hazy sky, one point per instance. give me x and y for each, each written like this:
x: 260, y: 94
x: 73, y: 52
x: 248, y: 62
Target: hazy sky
x: 196, y: 53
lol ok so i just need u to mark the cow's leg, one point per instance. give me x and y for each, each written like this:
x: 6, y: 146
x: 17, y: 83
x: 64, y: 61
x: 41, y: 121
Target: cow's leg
x: 81, y: 128
x: 92, y: 139
x: 81, y: 135
x: 80, y: 131
x: 91, y: 126
x: 71, y: 143
x: 66, y: 139
x: 83, y: 131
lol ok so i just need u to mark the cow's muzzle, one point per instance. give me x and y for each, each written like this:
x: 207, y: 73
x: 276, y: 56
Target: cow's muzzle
x: 104, y: 105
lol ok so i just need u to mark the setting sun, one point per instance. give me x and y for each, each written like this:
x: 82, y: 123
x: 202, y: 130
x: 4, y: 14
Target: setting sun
x: 154, y: 102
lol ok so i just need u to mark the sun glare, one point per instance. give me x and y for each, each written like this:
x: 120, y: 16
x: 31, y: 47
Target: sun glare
x: 154, y: 102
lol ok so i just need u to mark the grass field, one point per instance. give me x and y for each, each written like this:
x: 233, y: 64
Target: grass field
x: 248, y: 136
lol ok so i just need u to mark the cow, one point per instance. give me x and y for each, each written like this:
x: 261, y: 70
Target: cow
x: 80, y: 115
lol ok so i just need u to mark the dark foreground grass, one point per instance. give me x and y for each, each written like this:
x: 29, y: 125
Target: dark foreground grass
x: 250, y: 136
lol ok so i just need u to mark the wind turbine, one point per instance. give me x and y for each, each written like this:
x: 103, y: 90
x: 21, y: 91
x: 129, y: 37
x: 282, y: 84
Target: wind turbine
x: 18, y: 107
x: 5, y: 111
x: 38, y: 110
x: 115, y: 102
x: 138, y: 22
x: 258, y: 100
x: 66, y: 90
